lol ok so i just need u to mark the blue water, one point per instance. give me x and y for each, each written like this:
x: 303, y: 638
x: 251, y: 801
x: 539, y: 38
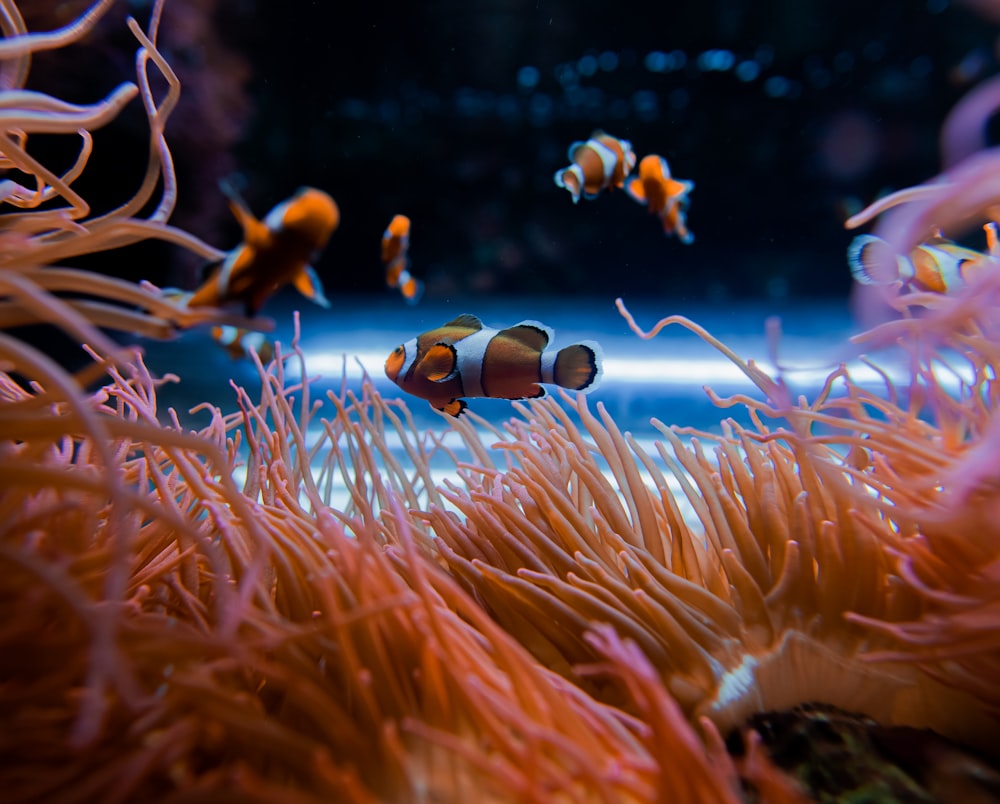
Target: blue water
x: 663, y: 377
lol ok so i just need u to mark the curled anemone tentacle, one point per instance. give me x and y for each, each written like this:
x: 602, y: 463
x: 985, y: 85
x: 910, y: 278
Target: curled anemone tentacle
x: 44, y: 220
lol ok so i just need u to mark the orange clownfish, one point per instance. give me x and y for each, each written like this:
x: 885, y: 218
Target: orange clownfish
x: 395, y: 244
x: 239, y: 342
x: 465, y: 359
x: 662, y: 194
x: 938, y: 265
x: 600, y: 162
x: 273, y: 253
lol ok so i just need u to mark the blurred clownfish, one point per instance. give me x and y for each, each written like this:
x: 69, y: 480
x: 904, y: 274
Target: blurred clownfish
x: 663, y: 195
x: 239, y: 342
x: 273, y: 253
x: 601, y: 162
x: 465, y: 359
x: 395, y: 244
x: 939, y: 265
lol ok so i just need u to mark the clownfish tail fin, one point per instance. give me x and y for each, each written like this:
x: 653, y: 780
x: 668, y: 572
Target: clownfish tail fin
x: 578, y: 367
x: 571, y: 178
x: 866, y: 266
x: 412, y: 290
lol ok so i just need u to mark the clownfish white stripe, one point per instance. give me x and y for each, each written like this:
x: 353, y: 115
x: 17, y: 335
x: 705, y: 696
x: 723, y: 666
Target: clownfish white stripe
x: 462, y: 358
x: 949, y: 266
x: 548, y: 365
x: 608, y: 158
x: 471, y: 352
x: 411, y: 356
x: 274, y: 220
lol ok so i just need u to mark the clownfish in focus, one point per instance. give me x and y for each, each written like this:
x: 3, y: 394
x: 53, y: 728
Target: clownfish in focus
x: 274, y: 252
x: 395, y: 244
x: 663, y: 195
x: 938, y: 265
x: 462, y: 358
x: 601, y: 162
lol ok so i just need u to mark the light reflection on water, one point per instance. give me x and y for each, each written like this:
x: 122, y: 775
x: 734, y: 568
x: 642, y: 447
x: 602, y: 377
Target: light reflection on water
x: 662, y: 378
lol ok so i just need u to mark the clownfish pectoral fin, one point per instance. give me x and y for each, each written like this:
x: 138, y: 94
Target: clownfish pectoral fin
x: 453, y: 407
x: 255, y: 232
x: 532, y: 334
x: 678, y: 190
x: 635, y: 191
x: 467, y: 321
x: 438, y: 365
x: 307, y: 283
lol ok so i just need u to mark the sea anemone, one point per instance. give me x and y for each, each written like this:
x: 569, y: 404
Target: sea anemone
x: 287, y: 604
x: 742, y: 611
x: 179, y: 633
x: 56, y: 223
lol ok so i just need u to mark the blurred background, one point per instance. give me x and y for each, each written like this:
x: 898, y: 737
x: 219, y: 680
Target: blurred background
x: 787, y: 115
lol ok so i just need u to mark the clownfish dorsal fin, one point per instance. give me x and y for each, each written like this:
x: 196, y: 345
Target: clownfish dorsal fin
x: 255, y: 232
x: 453, y: 407
x: 532, y: 334
x: 466, y: 320
x: 438, y: 365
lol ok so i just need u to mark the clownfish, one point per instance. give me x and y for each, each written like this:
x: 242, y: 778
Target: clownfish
x: 395, y: 244
x: 465, y: 359
x: 239, y: 342
x: 663, y: 195
x: 273, y: 253
x: 938, y: 265
x: 601, y: 162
